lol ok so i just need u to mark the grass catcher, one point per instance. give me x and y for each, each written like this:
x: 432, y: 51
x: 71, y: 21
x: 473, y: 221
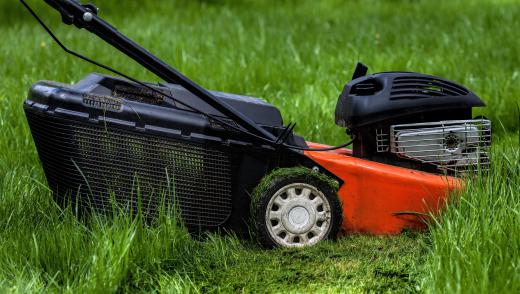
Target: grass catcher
x: 229, y: 162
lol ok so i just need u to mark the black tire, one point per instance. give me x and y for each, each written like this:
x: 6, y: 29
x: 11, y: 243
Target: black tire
x: 299, y: 213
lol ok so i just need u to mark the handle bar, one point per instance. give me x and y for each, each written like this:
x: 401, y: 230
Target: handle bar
x: 85, y: 16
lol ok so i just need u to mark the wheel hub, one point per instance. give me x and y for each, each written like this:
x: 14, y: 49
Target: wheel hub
x: 298, y: 215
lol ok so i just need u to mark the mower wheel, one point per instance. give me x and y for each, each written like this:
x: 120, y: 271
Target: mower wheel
x: 296, y: 209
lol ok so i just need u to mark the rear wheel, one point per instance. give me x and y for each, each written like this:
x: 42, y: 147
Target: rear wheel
x: 296, y: 210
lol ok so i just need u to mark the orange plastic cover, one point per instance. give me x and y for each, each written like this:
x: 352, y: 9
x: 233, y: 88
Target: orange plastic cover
x: 383, y: 199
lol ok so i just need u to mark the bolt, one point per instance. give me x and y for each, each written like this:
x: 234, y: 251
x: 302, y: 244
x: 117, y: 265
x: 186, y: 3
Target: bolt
x: 87, y: 16
x: 315, y: 169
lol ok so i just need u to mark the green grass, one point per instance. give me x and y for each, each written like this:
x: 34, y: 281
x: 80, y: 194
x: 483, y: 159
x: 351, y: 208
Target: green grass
x: 476, y: 245
x: 296, y: 55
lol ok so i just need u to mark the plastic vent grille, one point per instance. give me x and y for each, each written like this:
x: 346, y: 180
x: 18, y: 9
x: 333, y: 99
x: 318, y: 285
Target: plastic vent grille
x: 423, y: 87
x: 102, y: 102
x: 368, y: 87
x: 101, y: 164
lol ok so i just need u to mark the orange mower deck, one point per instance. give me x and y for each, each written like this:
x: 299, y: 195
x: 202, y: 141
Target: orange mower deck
x: 383, y: 199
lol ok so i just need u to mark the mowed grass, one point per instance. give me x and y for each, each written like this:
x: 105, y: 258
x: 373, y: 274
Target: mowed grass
x: 296, y: 55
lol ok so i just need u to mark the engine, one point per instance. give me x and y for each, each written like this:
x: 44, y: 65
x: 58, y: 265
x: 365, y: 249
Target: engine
x: 415, y: 121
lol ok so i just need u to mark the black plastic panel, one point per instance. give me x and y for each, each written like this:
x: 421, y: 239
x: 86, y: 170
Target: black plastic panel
x: 256, y: 109
x: 393, y: 95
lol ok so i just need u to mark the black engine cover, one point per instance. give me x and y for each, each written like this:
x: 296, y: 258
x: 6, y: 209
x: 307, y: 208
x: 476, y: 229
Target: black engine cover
x: 392, y: 95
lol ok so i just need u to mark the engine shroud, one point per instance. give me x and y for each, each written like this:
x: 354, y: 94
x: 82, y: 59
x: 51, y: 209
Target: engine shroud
x: 414, y: 120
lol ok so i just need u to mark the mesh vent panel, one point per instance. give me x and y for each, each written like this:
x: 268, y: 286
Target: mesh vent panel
x: 101, y: 164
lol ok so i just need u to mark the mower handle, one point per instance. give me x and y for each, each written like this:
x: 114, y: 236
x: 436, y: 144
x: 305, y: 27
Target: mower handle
x: 85, y: 16
x: 71, y: 11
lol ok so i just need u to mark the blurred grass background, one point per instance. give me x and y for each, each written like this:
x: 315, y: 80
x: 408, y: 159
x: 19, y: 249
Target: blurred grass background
x: 296, y: 55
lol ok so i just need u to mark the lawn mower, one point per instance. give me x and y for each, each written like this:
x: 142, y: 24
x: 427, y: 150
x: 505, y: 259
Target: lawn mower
x: 228, y: 162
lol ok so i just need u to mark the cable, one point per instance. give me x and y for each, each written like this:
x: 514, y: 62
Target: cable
x: 323, y: 149
x: 279, y: 141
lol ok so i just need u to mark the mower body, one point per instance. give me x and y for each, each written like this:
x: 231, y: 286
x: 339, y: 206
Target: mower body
x: 106, y: 141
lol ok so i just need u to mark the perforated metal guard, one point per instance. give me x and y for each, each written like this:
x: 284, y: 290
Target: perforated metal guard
x: 458, y: 145
x: 382, y: 140
x: 99, y: 164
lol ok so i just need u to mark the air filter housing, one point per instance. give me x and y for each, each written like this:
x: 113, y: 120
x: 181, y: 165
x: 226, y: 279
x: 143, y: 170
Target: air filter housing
x: 414, y: 120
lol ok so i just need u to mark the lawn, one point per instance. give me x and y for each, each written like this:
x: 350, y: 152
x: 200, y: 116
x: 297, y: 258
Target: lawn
x: 296, y: 55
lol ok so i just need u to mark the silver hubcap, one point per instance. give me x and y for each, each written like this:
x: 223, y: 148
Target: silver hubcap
x: 298, y: 215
